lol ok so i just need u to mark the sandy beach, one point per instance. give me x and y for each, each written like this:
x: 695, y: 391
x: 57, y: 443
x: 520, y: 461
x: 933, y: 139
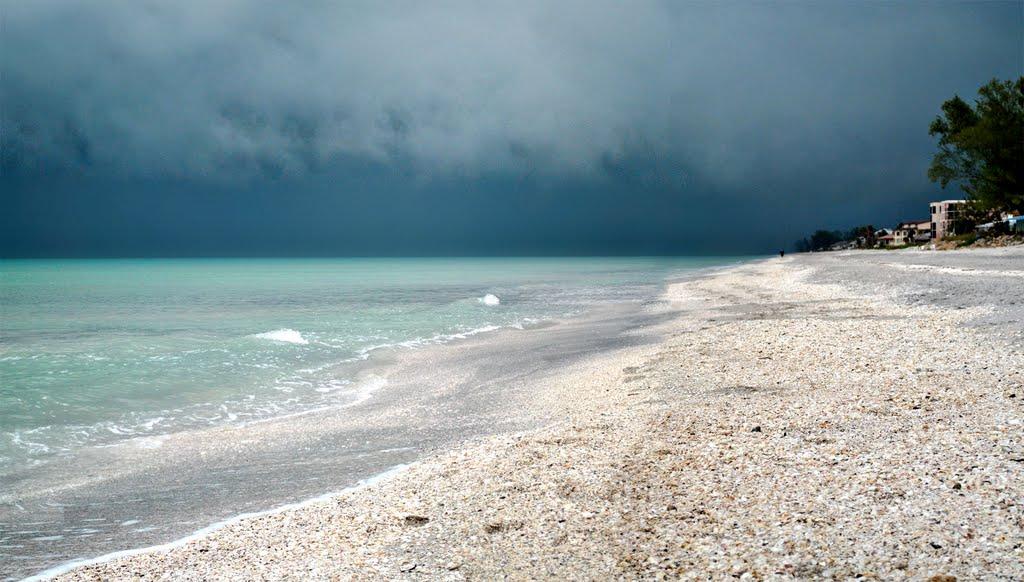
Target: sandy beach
x: 820, y: 416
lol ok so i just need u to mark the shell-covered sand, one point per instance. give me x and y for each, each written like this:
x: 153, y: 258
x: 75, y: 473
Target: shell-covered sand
x: 784, y: 428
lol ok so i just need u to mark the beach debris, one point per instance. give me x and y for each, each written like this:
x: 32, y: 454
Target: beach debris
x: 413, y: 519
x: 502, y: 526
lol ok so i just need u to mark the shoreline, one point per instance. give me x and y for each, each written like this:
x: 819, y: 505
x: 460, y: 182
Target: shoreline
x: 604, y: 440
x: 473, y: 355
x: 375, y: 357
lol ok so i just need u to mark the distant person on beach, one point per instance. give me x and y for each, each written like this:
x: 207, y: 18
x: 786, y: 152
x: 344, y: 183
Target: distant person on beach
x: 782, y: 253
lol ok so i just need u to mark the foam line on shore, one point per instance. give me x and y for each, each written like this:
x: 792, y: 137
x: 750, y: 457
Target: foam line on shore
x: 68, y: 566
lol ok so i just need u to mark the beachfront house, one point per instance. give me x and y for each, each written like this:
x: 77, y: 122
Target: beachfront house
x: 843, y: 245
x: 912, y: 232
x: 883, y: 237
x: 946, y: 215
x: 1012, y: 224
x: 901, y: 236
x: 923, y: 231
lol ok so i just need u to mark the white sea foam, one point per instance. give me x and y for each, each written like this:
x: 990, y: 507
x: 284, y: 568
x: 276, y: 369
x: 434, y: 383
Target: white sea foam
x: 489, y: 300
x: 283, y: 335
x: 366, y: 389
x: 435, y: 339
x: 332, y: 385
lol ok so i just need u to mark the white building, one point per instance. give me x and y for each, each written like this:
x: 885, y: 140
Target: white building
x: 945, y: 217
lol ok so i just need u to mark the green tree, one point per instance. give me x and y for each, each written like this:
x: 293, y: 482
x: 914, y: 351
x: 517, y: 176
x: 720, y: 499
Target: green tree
x: 822, y: 239
x: 863, y: 235
x: 982, y: 147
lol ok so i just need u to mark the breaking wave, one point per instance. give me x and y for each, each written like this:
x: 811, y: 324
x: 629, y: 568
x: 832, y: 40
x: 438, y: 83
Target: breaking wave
x: 283, y: 335
x: 489, y: 300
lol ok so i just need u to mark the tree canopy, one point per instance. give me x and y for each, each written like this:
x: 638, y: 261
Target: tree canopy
x: 821, y: 240
x: 982, y: 147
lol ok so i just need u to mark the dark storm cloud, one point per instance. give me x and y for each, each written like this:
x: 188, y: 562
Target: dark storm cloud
x: 785, y: 103
x: 197, y: 87
x: 200, y: 87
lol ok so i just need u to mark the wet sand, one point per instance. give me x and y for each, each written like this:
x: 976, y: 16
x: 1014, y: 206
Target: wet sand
x: 835, y: 415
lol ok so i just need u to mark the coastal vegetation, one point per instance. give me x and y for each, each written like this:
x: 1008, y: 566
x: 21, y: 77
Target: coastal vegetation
x: 981, y: 147
x: 980, y: 150
x: 859, y: 236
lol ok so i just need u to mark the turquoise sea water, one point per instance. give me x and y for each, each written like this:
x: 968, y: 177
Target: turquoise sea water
x: 93, y: 352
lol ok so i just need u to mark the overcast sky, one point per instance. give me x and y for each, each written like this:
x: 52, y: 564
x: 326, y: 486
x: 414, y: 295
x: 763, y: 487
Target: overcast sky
x: 234, y: 127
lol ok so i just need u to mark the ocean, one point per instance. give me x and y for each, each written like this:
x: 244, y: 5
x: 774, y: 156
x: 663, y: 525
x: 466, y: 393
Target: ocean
x: 98, y: 353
